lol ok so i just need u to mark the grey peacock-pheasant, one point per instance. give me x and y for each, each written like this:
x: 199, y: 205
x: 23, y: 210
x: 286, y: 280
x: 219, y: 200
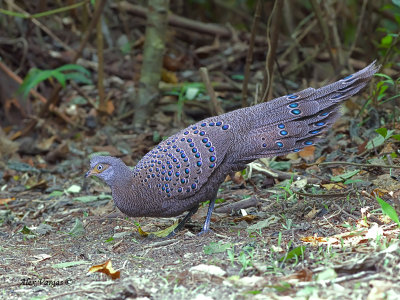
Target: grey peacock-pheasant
x: 188, y: 167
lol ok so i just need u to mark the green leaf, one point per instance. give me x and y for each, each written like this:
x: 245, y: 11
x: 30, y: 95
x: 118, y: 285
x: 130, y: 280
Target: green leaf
x: 191, y: 93
x: 78, y: 228
x: 396, y: 2
x: 60, y: 78
x: 344, y: 176
x: 396, y: 137
x: 379, y: 140
x: 298, y: 251
x: 26, y: 230
x: 388, y: 210
x: 78, y: 77
x: 216, y: 248
x: 73, y: 67
x: 382, y: 131
x: 386, y: 41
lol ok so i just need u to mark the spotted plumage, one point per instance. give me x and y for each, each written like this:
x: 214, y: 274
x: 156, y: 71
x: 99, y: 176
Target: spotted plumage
x: 188, y: 167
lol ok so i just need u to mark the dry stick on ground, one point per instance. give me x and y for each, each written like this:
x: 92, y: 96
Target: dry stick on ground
x: 357, y: 165
x: 331, y: 16
x: 249, y: 57
x: 273, y: 34
x: 153, y: 53
x: 325, y: 32
x: 100, y: 67
x: 187, y: 24
x: 358, y: 31
x: 54, y: 95
x: 215, y: 106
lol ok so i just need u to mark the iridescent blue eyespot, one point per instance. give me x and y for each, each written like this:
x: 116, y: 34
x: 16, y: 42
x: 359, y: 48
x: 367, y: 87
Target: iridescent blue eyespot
x: 264, y: 145
x: 186, y: 133
x: 196, y: 132
x: 187, y: 171
x: 281, y: 126
x: 199, y: 163
x: 225, y: 127
x: 197, y: 155
x: 169, y: 143
x: 202, y: 133
x: 203, y: 124
x: 170, y: 167
x: 296, y: 150
x: 291, y: 96
x: 189, y: 140
x: 183, y: 180
x: 212, y: 166
x: 205, y: 140
x: 179, y: 190
x: 283, y: 132
x: 170, y: 173
x: 296, y: 111
x: 324, y: 114
x: 293, y: 105
x: 315, y: 131
x: 174, y: 160
x: 308, y: 143
x: 186, y: 159
x: 279, y: 144
x: 208, y: 144
x: 178, y: 150
x: 218, y: 123
x: 211, y: 124
x: 194, y: 150
x: 191, y: 144
x: 211, y: 149
x: 194, y: 127
x: 348, y: 77
x: 163, y: 188
x: 320, y: 123
x: 212, y: 158
x: 178, y: 166
x: 193, y: 185
x: 177, y: 174
x: 174, y: 146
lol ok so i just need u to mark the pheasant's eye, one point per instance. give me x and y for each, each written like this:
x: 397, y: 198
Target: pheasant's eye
x: 99, y: 167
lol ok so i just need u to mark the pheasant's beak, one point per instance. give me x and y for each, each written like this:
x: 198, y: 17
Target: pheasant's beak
x: 89, y: 173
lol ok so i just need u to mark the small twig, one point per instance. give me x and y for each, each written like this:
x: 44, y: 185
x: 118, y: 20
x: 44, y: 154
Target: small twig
x: 356, y: 164
x: 358, y: 31
x: 273, y: 34
x: 215, y: 106
x: 325, y: 32
x: 249, y: 57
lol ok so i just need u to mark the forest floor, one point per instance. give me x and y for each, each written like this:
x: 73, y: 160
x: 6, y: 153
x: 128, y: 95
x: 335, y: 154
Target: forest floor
x: 324, y: 246
x: 308, y: 230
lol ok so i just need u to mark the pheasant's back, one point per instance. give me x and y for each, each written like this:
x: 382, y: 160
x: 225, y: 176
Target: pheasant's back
x: 188, y: 167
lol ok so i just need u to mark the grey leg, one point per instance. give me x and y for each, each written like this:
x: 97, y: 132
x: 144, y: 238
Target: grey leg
x: 182, y: 223
x: 206, y: 226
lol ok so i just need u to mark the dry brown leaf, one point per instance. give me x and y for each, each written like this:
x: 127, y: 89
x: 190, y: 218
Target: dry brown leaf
x: 107, y: 269
x: 301, y: 275
x: 311, y: 214
x: 333, y: 186
x: 6, y: 200
x: 307, y: 153
x: 247, y: 218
